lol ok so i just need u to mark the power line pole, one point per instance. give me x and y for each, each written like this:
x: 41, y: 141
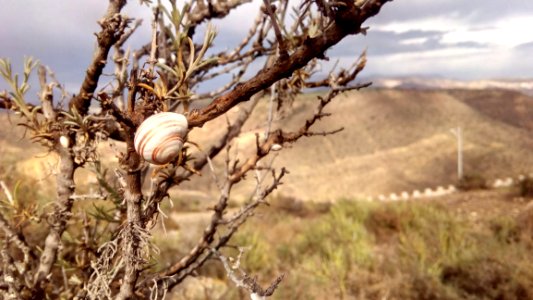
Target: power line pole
x: 458, y: 133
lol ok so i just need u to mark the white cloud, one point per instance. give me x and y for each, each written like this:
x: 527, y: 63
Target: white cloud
x: 506, y: 33
x: 441, y: 23
x: 453, y: 62
x: 414, y: 41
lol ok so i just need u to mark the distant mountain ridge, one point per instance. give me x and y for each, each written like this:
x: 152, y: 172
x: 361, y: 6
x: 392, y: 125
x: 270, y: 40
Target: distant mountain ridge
x: 522, y: 85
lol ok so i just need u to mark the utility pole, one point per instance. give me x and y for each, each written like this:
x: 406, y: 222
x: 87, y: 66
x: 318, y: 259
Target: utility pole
x: 458, y: 133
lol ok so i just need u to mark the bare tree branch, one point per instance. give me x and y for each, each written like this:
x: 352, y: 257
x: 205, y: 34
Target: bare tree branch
x: 9, y: 277
x: 18, y: 239
x: 60, y: 216
x: 348, y: 20
x: 184, y: 268
x: 113, y: 27
x: 46, y: 95
x: 282, y: 46
x: 247, y: 282
x: 218, y: 9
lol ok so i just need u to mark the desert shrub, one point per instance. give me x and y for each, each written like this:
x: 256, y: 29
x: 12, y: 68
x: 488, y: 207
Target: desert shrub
x: 384, y: 222
x: 526, y: 187
x: 168, y: 75
x: 258, y: 255
x: 472, y: 182
x: 486, y: 278
x: 524, y: 223
x: 424, y: 287
x: 429, y: 238
x: 361, y: 250
x: 505, y: 229
x: 299, y: 208
x: 335, y: 244
x: 343, y: 225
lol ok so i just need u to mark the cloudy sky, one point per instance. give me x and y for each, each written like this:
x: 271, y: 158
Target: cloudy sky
x: 468, y: 39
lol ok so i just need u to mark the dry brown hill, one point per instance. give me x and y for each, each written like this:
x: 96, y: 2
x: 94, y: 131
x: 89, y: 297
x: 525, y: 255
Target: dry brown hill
x: 397, y: 140
x: 394, y: 140
x: 508, y: 106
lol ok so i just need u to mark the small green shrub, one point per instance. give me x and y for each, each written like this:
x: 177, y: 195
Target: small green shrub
x: 335, y: 244
x: 342, y: 228
x: 505, y: 229
x: 431, y: 237
x: 258, y: 256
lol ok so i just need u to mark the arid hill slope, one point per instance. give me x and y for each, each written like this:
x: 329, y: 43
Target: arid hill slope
x: 394, y: 140
x: 507, y: 106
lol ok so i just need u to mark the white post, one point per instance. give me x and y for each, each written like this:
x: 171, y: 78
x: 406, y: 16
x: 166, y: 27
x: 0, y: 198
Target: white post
x: 458, y: 132
x: 460, y: 153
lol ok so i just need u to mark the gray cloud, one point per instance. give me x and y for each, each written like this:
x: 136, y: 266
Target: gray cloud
x: 473, y: 11
x: 378, y: 42
x: 60, y: 34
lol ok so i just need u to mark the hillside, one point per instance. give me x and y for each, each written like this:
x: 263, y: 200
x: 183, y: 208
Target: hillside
x: 394, y: 140
x: 397, y: 140
x: 511, y: 107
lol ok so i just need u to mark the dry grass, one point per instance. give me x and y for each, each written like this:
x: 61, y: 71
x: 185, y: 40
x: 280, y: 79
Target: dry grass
x: 361, y: 250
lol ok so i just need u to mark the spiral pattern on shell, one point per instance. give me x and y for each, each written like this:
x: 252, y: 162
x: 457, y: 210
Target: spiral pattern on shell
x: 160, y: 137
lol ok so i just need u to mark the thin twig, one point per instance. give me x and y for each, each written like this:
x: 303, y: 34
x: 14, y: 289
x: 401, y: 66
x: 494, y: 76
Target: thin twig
x: 7, y: 192
x: 282, y: 46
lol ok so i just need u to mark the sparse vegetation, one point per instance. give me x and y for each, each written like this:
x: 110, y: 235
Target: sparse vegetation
x: 361, y: 250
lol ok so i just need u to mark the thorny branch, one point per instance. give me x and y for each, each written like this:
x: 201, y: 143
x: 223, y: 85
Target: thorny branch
x: 348, y: 20
x: 132, y: 239
x: 201, y: 252
x: 113, y: 26
x: 115, y: 255
x: 11, y: 236
x: 59, y: 218
x: 246, y: 282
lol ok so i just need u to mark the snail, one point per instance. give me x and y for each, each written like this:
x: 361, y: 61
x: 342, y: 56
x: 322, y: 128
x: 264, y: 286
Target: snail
x: 160, y: 137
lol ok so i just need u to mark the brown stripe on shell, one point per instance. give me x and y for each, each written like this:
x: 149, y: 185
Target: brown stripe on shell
x: 150, y: 132
x: 164, y: 142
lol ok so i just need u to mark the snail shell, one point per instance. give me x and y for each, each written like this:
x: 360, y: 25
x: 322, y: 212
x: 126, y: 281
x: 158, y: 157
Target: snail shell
x: 160, y: 137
